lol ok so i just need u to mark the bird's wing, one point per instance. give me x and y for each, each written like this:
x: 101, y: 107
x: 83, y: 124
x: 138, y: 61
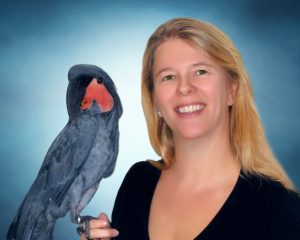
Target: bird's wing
x: 113, y: 150
x: 67, y: 155
x: 63, y: 162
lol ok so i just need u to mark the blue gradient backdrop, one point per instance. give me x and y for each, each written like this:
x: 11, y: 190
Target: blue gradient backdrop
x: 40, y: 40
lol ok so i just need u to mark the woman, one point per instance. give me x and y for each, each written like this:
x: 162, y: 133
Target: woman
x: 218, y: 178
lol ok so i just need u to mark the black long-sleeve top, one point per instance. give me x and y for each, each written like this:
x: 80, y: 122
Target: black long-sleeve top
x: 257, y: 209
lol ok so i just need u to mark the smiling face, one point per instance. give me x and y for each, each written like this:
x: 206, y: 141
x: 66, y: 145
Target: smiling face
x: 191, y: 91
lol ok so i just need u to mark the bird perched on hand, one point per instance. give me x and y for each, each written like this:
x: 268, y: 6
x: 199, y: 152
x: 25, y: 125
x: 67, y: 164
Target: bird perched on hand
x: 82, y: 154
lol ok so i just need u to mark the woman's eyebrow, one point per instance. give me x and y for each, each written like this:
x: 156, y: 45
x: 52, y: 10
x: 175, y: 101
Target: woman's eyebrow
x: 163, y: 70
x: 199, y: 64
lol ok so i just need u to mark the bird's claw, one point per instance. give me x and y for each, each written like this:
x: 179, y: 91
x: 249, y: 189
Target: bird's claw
x: 86, y: 221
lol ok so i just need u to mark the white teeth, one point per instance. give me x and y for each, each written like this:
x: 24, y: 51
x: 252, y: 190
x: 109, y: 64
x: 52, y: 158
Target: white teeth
x: 191, y: 108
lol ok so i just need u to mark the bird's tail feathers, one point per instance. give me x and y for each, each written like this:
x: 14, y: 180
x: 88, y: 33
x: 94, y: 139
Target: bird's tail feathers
x: 14, y: 226
x: 31, y: 224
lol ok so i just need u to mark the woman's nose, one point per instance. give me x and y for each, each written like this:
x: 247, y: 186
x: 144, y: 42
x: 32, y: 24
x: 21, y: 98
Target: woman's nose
x: 185, y: 88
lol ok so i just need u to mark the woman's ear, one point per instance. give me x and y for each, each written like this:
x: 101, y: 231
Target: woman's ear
x: 232, y: 92
x: 154, y: 100
x: 156, y: 109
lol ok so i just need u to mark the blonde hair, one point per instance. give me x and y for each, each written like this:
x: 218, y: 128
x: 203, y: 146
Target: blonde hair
x: 246, y: 132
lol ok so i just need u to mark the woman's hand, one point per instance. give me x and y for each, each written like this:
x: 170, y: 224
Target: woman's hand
x: 100, y: 229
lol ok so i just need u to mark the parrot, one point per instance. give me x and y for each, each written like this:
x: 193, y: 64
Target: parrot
x: 82, y: 154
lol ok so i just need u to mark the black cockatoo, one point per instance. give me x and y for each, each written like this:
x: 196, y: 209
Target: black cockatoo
x: 82, y: 154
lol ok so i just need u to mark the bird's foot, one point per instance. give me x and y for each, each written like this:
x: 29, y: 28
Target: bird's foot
x: 86, y: 221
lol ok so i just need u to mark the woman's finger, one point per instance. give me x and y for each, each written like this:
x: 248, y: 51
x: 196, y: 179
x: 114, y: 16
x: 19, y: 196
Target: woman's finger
x: 97, y: 223
x: 103, y: 217
x: 82, y: 237
x: 103, y: 233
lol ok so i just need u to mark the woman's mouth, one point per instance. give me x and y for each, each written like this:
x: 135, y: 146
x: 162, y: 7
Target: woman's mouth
x: 191, y: 108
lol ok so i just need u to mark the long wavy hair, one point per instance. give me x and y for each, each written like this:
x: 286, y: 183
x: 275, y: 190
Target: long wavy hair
x: 247, y: 136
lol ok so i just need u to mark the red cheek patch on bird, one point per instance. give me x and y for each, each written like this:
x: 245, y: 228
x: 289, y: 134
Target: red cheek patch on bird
x: 99, y: 93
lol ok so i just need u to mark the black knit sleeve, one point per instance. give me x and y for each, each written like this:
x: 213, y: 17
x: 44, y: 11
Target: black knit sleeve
x: 131, y: 209
x: 121, y: 200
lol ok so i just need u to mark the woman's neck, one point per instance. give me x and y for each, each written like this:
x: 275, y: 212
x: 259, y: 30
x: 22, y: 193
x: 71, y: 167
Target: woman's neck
x: 207, y: 159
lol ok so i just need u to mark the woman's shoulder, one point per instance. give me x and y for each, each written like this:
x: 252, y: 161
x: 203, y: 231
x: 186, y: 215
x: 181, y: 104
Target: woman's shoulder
x: 139, y: 169
x: 141, y: 166
x: 280, y: 206
x: 272, y: 192
x: 141, y: 173
x: 276, y: 194
x: 132, y: 199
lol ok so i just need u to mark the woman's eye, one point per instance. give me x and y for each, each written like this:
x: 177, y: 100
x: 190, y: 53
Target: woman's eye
x: 168, y: 77
x: 200, y: 72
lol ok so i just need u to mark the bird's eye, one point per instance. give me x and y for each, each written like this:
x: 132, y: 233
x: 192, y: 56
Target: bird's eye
x: 99, y: 80
x: 81, y: 82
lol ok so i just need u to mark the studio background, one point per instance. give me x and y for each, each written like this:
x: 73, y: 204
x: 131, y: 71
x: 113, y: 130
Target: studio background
x: 41, y: 40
